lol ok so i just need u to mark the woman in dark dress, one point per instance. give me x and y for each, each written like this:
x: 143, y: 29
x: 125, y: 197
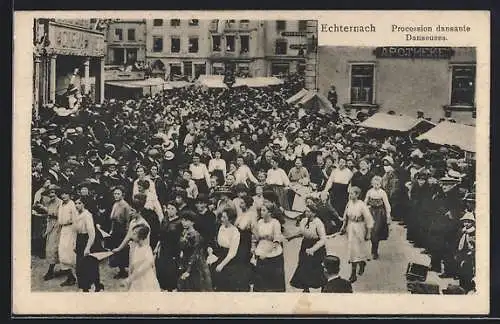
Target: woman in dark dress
x: 168, y: 249
x: 362, y: 178
x: 231, y: 272
x: 378, y: 203
x: 195, y: 274
x: 87, y: 241
x: 309, y: 272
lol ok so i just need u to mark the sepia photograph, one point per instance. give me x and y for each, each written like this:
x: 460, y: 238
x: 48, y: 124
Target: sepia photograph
x: 173, y: 155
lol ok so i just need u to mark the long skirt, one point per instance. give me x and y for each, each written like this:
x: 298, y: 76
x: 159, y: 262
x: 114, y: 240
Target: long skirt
x: 87, y: 267
x: 167, y: 269
x: 53, y: 233
x: 199, y: 278
x: 339, y: 197
x: 234, y: 277
x: 220, y: 177
x: 309, y: 272
x: 38, y: 227
x: 380, y: 230
x: 202, y: 185
x: 121, y: 258
x: 270, y: 275
x: 357, y: 247
x: 281, y: 194
x: 66, y: 250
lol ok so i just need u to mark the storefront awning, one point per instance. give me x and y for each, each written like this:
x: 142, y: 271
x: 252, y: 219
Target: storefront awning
x: 400, y: 123
x: 296, y: 97
x: 217, y: 81
x: 211, y: 81
x: 152, y: 82
x: 446, y: 133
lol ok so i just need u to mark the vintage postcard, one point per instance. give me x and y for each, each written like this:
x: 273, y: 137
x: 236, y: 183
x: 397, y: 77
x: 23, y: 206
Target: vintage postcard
x: 251, y: 162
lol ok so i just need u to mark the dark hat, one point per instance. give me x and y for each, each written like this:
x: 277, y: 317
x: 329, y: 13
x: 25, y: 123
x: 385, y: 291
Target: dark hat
x: 202, y: 198
x: 65, y: 190
x: 189, y: 215
x: 53, y: 139
x: 54, y: 187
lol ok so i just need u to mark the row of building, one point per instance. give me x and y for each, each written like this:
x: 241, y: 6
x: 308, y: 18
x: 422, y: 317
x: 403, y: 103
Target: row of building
x: 189, y: 48
x: 436, y: 82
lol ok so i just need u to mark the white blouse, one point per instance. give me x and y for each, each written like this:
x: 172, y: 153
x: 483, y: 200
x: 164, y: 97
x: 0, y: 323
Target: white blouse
x: 228, y: 237
x: 277, y: 177
x: 267, y: 233
x: 217, y: 164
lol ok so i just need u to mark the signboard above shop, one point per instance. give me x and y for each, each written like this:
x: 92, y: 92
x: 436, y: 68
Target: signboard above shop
x: 414, y: 52
x: 73, y: 40
x: 296, y: 34
x: 298, y: 46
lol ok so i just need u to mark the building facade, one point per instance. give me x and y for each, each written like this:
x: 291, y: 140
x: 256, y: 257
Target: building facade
x: 61, y: 48
x: 189, y: 48
x: 125, y: 50
x: 176, y: 48
x: 126, y: 42
x: 438, y: 82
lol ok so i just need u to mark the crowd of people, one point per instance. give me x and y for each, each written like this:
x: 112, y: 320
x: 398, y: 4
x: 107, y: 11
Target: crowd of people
x: 190, y: 190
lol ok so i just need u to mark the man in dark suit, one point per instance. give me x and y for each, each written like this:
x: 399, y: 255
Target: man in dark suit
x: 334, y: 284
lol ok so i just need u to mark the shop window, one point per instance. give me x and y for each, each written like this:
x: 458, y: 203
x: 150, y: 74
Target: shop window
x: 193, y: 45
x: 280, y: 69
x: 131, y: 34
x: 175, y: 45
x: 245, y: 43
x: 175, y: 22
x: 175, y: 71
x: 302, y: 26
x: 118, y: 34
x: 463, y: 80
x: 230, y: 46
x: 216, y: 43
x: 280, y: 25
x: 194, y: 22
x: 157, y: 44
x: 188, y: 69
x: 200, y: 69
x: 157, y: 22
x: 301, y: 68
x: 362, y: 83
x: 244, y: 23
x: 281, y: 46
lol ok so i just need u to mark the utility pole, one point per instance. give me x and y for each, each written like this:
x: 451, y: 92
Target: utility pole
x: 312, y: 55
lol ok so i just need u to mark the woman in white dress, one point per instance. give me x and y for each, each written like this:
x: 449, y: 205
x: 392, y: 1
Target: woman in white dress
x: 142, y: 273
x: 137, y: 219
x: 358, y: 223
x: 269, y: 268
